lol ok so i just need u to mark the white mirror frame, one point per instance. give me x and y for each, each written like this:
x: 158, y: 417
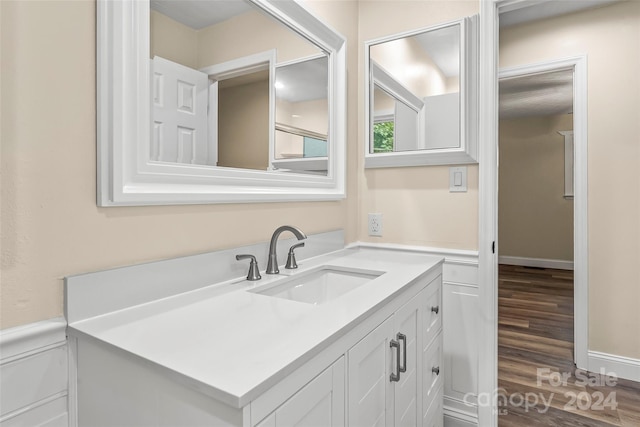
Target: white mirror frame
x: 125, y: 175
x: 468, y: 151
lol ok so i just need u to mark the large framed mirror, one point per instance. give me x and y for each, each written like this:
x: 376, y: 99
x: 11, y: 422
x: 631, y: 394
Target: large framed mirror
x: 421, y: 97
x: 218, y: 101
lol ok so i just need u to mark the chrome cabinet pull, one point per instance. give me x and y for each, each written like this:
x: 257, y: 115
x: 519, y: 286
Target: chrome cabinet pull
x: 436, y: 370
x: 435, y: 309
x: 395, y: 377
x: 403, y: 337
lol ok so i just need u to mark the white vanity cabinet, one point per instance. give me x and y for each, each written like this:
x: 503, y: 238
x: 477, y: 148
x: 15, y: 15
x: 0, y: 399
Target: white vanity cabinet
x: 383, y: 368
x: 379, y: 392
x: 319, y: 403
x: 393, y: 373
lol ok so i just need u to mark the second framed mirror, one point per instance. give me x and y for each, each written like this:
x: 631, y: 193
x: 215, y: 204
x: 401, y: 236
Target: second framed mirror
x: 421, y: 97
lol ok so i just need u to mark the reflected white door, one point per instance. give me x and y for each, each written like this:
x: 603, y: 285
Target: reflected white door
x: 180, y: 99
x: 406, y: 128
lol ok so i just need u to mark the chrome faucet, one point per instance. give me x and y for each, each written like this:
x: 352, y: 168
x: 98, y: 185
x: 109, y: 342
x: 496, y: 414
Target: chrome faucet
x: 272, y: 265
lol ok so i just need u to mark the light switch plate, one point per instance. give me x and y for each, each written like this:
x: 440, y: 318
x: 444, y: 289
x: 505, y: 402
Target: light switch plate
x: 458, y: 179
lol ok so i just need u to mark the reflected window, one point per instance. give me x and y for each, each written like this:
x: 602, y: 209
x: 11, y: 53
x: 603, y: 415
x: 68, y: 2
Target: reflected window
x: 383, y: 137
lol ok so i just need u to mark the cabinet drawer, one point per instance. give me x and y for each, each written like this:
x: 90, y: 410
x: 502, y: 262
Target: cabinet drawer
x: 432, y: 372
x: 432, y: 320
x: 434, y: 416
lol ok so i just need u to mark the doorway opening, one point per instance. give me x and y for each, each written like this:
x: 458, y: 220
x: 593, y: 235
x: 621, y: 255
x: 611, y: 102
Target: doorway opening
x: 535, y: 231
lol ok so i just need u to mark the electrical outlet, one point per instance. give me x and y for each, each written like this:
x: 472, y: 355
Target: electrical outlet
x: 375, y: 224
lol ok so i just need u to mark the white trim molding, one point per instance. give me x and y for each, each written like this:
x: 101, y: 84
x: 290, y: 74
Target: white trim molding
x: 456, y: 256
x: 487, y: 210
x: 488, y: 201
x: 559, y: 264
x: 22, y: 341
x: 34, y: 374
x: 620, y: 366
x: 580, y: 225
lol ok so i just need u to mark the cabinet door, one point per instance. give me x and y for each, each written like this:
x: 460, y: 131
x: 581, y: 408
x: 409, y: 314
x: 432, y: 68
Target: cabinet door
x: 370, y: 389
x: 406, y: 391
x: 461, y: 344
x: 320, y: 403
x: 432, y: 373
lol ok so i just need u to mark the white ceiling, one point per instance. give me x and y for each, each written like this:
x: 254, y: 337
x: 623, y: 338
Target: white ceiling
x: 541, y: 94
x: 303, y: 81
x: 199, y: 14
x: 443, y: 46
x: 542, y: 9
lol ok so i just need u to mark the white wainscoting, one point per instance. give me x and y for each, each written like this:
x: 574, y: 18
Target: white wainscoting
x: 34, y: 375
x: 460, y: 309
x: 621, y: 367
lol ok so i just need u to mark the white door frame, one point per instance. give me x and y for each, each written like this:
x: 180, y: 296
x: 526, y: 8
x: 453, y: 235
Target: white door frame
x: 580, y: 257
x: 488, y: 207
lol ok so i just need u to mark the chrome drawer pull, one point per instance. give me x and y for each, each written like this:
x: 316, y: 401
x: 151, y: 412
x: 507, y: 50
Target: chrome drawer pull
x: 435, y: 309
x: 436, y: 370
x: 403, y: 337
x: 395, y: 377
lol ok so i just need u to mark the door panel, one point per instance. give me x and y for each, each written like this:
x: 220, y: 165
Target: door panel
x: 180, y: 101
x: 432, y: 372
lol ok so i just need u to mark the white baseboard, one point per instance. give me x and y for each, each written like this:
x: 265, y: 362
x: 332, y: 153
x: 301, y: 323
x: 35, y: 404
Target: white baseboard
x: 34, y: 374
x: 536, y: 262
x: 622, y: 367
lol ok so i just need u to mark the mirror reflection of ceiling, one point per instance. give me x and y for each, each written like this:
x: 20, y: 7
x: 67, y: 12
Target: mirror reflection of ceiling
x: 443, y: 46
x: 540, y: 94
x: 303, y: 81
x: 199, y: 14
x: 194, y: 37
x: 546, y: 93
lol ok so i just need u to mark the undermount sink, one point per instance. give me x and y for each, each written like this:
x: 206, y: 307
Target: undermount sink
x: 319, y: 285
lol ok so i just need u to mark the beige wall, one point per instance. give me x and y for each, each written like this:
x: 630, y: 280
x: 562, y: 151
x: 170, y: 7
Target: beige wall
x: 415, y: 202
x: 534, y: 219
x: 243, y: 126
x: 610, y: 36
x: 51, y: 226
x: 247, y: 34
x: 172, y: 40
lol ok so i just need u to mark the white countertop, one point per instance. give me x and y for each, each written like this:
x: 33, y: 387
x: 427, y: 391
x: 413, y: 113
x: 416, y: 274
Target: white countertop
x: 236, y: 344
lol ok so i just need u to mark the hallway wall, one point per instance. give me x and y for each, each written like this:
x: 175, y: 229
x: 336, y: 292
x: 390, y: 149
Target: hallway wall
x: 534, y: 219
x: 610, y: 36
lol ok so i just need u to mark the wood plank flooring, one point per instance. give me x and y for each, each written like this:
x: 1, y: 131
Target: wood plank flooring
x: 535, y: 348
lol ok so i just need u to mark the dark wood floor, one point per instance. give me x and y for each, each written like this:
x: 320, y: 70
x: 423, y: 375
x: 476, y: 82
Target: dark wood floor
x: 535, y: 347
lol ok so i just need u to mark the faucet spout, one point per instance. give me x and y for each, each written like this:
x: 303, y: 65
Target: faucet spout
x: 272, y: 265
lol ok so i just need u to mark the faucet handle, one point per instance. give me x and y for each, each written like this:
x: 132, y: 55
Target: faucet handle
x: 291, y: 258
x: 254, y: 271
